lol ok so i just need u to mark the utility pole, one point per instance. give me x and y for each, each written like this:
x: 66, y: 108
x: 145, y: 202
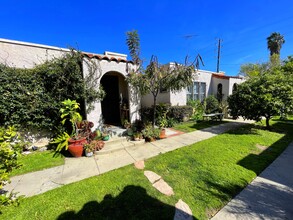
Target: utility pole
x: 219, y: 54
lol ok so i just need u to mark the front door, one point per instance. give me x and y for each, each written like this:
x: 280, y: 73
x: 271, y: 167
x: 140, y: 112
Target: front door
x: 110, y: 104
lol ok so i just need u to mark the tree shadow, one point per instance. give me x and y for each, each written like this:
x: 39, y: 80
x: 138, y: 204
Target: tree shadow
x: 132, y: 203
x: 258, y: 162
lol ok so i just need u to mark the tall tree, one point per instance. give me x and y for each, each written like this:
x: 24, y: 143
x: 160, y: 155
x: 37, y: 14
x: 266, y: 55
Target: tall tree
x: 133, y: 43
x: 275, y: 42
x: 155, y: 76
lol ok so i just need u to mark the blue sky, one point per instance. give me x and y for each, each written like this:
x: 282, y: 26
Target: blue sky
x: 168, y: 29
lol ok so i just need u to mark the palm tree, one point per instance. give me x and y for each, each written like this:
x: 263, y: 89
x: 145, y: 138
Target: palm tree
x: 275, y: 42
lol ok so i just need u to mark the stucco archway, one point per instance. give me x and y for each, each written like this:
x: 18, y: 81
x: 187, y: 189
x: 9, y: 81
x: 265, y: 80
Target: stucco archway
x: 115, y: 105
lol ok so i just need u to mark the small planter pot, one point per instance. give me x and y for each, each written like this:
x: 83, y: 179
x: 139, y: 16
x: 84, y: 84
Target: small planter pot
x: 149, y: 139
x: 106, y: 138
x: 89, y: 154
x: 163, y: 134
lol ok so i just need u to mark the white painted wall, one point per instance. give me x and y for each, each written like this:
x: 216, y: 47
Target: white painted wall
x: 225, y: 86
x: 148, y: 100
x: 232, y: 81
x: 26, y: 55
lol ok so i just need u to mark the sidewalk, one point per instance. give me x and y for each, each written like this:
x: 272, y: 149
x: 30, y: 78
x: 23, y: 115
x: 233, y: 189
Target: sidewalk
x: 268, y: 196
x: 76, y: 169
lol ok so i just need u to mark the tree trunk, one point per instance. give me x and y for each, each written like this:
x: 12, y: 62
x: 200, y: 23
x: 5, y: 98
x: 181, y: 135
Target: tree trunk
x: 154, y: 111
x: 267, y: 122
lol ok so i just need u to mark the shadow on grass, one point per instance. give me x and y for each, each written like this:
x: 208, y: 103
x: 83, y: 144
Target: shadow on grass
x: 258, y: 162
x: 132, y: 203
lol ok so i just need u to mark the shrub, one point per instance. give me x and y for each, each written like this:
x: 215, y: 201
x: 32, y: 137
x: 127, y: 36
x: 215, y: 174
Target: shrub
x: 197, y: 109
x: 176, y: 113
x: 211, y: 104
x: 10, y: 147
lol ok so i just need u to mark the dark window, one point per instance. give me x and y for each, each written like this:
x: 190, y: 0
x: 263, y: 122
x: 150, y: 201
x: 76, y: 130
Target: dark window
x: 234, y: 87
x: 220, y: 92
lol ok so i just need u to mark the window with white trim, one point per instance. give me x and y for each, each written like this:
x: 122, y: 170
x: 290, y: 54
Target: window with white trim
x: 197, y: 91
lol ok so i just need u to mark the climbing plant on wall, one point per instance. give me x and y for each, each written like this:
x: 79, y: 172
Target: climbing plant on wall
x: 31, y: 98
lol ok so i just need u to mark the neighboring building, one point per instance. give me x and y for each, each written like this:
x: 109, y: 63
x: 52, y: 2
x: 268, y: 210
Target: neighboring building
x: 206, y: 83
x: 114, y: 68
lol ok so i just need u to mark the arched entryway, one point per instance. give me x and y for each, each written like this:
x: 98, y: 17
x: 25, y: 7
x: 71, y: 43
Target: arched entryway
x: 116, y: 98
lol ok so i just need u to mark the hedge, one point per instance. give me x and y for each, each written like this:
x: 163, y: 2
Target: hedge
x: 31, y: 98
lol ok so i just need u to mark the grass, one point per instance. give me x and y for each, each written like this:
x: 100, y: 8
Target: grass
x: 37, y: 161
x: 190, y: 126
x: 205, y: 175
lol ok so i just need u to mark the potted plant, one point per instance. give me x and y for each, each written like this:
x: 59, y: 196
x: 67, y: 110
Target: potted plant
x: 69, y: 112
x: 163, y: 123
x: 150, y: 134
x: 88, y: 149
x: 137, y: 136
x: 98, y: 144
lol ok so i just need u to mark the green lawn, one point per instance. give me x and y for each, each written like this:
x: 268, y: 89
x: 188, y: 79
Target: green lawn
x: 205, y: 175
x: 190, y: 126
x: 37, y: 161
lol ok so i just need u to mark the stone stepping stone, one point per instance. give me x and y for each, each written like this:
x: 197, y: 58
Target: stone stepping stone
x: 163, y: 187
x: 152, y: 177
x: 182, y: 212
x: 139, y: 165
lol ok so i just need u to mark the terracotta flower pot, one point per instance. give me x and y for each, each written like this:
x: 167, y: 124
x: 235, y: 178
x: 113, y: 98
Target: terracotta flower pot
x: 76, y: 146
x: 163, y: 134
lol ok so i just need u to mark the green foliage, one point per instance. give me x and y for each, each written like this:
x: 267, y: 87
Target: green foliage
x: 174, y: 114
x: 69, y: 112
x: 31, y: 98
x: 263, y: 96
x: 10, y: 147
x: 62, y: 141
x: 211, y: 104
x: 150, y: 132
x: 197, y: 109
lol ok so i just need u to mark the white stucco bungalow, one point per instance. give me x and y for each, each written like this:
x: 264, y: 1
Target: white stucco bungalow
x: 205, y: 83
x: 114, y: 68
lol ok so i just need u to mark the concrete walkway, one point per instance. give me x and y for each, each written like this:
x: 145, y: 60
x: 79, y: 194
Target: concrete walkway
x: 76, y: 169
x: 268, y: 196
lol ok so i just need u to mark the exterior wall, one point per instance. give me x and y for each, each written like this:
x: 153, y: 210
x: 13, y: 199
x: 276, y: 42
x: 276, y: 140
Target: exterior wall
x: 178, y: 98
x: 205, y: 76
x: 148, y: 100
x: 134, y: 102
x: 27, y: 55
x: 225, y: 84
x: 232, y: 81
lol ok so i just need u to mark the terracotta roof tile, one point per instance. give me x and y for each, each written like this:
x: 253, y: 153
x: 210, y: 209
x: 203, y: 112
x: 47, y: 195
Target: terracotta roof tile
x: 222, y: 76
x: 104, y: 57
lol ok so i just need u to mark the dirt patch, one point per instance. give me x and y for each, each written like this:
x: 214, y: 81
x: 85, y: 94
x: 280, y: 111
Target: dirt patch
x: 260, y: 148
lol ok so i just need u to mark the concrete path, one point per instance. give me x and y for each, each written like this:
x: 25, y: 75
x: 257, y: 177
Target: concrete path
x: 269, y: 196
x: 76, y: 169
